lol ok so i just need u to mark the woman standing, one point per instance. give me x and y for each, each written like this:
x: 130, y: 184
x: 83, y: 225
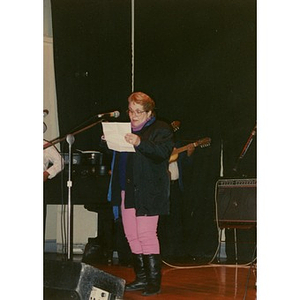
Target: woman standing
x: 140, y: 186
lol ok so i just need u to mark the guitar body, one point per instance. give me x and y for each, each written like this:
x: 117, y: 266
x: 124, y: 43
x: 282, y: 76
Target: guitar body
x: 173, y: 157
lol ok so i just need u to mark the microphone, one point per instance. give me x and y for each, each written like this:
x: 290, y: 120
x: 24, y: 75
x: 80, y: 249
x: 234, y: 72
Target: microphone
x: 113, y: 114
x: 70, y: 139
x: 45, y: 112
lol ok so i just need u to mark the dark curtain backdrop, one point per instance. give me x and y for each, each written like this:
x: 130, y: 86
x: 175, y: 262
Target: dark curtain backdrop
x: 197, y: 59
x: 92, y: 57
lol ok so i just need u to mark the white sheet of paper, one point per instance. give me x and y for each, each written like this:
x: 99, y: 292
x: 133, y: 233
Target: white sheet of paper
x: 115, y: 136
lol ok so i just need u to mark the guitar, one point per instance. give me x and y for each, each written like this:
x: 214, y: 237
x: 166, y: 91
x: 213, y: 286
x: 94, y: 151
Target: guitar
x: 205, y: 142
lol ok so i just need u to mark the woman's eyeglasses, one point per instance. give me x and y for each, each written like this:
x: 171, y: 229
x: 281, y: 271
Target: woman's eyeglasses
x: 137, y: 112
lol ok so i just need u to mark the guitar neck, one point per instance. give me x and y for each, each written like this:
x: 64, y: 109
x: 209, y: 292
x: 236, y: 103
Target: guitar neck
x: 182, y: 149
x: 203, y: 143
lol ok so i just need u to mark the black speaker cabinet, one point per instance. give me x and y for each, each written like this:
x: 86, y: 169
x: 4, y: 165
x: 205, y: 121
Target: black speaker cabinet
x: 236, y: 202
x: 74, y: 280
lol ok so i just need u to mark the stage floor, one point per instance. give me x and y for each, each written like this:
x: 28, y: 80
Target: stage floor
x: 197, y: 282
x: 194, y: 281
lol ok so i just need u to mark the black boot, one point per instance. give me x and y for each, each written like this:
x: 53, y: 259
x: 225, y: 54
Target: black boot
x: 140, y: 275
x: 153, y: 272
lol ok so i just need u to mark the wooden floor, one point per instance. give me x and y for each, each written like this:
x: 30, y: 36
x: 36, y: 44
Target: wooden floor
x: 214, y: 281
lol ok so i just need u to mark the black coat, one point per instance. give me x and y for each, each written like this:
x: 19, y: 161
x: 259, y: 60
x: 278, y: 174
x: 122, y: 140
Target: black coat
x: 147, y: 177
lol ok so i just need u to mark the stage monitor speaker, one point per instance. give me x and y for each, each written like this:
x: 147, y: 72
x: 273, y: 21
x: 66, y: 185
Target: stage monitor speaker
x: 74, y: 280
x: 236, y: 202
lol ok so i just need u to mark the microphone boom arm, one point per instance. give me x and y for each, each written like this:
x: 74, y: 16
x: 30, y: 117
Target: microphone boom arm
x: 60, y: 139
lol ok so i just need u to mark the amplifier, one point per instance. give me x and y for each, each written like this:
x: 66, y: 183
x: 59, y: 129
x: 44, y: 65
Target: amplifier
x: 236, y: 202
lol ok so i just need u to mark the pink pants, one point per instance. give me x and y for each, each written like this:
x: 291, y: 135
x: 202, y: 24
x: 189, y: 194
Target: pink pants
x: 141, y: 232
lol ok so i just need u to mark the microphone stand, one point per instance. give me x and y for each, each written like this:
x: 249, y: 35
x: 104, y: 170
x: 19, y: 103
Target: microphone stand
x: 70, y: 139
